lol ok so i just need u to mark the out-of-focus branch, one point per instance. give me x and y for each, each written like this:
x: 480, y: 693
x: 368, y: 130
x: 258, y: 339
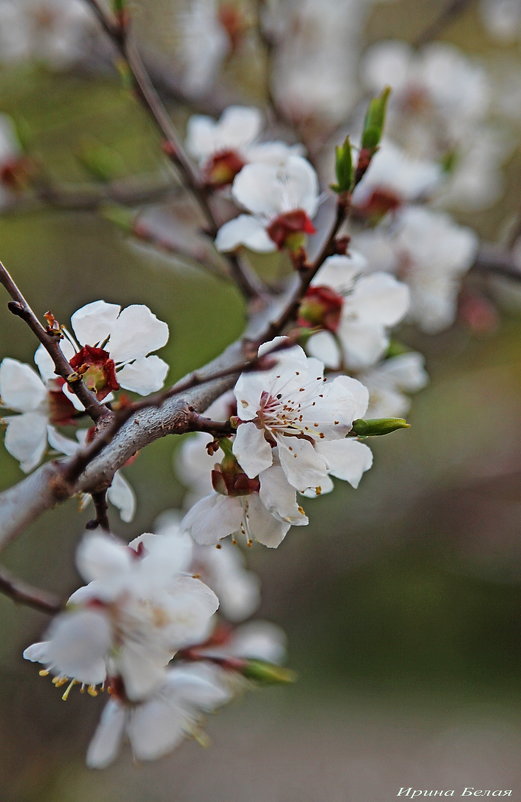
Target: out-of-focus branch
x: 245, y: 278
x: 23, y: 593
x: 196, y: 256
x: 494, y: 261
x: 450, y: 12
x: 51, y: 342
x: 127, y: 192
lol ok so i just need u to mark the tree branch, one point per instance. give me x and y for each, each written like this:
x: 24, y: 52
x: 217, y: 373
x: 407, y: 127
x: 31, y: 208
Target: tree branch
x: 19, y: 307
x: 494, y: 261
x: 23, y: 593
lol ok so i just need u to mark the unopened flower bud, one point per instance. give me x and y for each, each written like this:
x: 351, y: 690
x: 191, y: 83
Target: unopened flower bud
x: 378, y: 426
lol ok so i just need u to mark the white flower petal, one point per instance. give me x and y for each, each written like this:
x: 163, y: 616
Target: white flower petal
x: 101, y: 556
x: 346, y: 459
x: 106, y: 741
x: 145, y: 375
x: 279, y: 497
x: 213, y: 518
x: 77, y: 643
x: 261, y: 524
x: 324, y: 346
x: 21, y: 389
x: 93, y: 322
x: 244, y: 230
x: 136, y: 333
x: 302, y: 464
x: 379, y: 299
x: 259, y: 640
x: 362, y: 343
x: 157, y: 727
x: 44, y: 362
x: 122, y: 496
x: 26, y: 438
x: 340, y: 272
x: 252, y: 450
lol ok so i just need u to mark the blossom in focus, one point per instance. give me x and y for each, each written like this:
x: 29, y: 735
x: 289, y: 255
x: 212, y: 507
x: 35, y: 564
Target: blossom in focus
x: 281, y: 199
x: 307, y: 417
x: 390, y: 383
x: 39, y: 405
x: 111, y: 349
x: 223, y: 147
x: 261, y: 508
x: 367, y: 307
x: 160, y: 722
x: 138, y: 608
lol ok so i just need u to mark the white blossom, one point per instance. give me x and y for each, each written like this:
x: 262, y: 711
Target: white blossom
x: 159, y: 723
x: 223, y: 147
x: 138, y: 608
x: 397, y: 176
x: 204, y: 44
x: 282, y: 200
x: 370, y: 306
x: 264, y: 513
x: 54, y: 32
x: 433, y: 255
x: 308, y: 418
x: 122, y: 340
x: 38, y: 404
x: 390, y: 382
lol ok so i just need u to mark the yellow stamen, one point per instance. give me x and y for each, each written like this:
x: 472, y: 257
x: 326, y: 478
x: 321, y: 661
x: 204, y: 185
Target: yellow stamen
x: 69, y: 688
x: 43, y: 672
x: 91, y: 690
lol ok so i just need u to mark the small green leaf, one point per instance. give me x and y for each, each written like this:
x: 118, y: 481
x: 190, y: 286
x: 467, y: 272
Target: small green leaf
x: 375, y: 120
x: 343, y: 167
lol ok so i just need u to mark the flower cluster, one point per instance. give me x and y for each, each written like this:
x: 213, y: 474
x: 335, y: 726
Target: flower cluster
x: 163, y: 623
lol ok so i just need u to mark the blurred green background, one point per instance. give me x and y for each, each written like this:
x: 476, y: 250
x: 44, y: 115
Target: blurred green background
x: 401, y: 600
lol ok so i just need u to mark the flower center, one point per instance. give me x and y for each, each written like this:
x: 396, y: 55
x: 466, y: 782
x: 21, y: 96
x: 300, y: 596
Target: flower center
x: 61, y: 410
x: 229, y: 479
x: 321, y: 306
x: 288, y: 230
x: 222, y: 168
x: 97, y: 370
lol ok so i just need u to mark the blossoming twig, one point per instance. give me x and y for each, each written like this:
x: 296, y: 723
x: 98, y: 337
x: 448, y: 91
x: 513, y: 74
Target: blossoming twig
x: 19, y: 307
x: 245, y: 278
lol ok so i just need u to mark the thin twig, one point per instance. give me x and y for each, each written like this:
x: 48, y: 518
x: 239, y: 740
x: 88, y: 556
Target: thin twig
x: 306, y: 276
x: 19, y: 307
x: 197, y: 256
x: 448, y: 14
x: 99, y: 497
x: 87, y: 199
x: 23, y: 593
x: 246, y: 279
